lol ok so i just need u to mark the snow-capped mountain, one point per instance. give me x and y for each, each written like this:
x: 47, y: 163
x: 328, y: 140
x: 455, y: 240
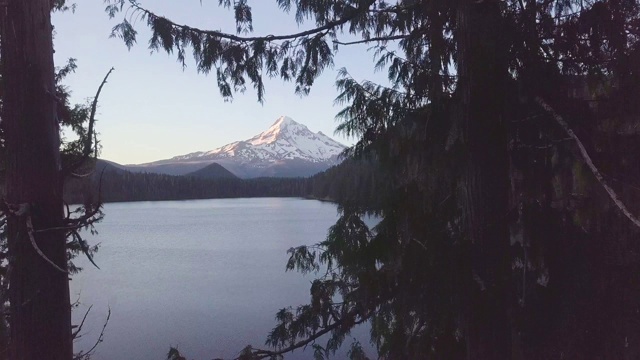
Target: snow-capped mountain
x: 284, y: 140
x: 287, y: 148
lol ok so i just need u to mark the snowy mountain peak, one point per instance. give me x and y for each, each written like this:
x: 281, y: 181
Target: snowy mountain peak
x: 286, y: 145
x: 284, y: 121
x: 284, y: 129
x: 285, y: 140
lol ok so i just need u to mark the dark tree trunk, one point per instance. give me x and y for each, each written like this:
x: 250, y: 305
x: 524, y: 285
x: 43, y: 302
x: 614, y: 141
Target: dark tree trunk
x: 482, y: 70
x: 40, y: 313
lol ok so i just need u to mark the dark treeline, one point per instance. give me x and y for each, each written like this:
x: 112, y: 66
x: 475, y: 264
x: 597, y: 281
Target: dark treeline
x: 346, y: 182
x: 351, y: 182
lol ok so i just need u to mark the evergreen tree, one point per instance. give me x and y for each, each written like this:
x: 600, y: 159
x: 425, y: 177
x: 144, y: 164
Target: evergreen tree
x: 37, y: 238
x: 39, y: 293
x: 487, y: 171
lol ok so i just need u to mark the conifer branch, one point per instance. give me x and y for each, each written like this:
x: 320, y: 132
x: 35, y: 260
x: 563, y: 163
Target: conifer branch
x: 364, y: 41
x: 397, y: 9
x: 263, y: 354
x: 587, y: 159
x: 222, y: 35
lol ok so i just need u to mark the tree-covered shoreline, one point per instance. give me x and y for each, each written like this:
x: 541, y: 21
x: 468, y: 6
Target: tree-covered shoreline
x: 338, y: 183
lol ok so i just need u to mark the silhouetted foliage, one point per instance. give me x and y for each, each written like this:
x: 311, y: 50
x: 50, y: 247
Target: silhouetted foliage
x: 496, y: 239
x: 36, y: 213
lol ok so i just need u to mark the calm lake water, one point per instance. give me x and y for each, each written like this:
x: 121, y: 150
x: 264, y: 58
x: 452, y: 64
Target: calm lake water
x: 206, y: 276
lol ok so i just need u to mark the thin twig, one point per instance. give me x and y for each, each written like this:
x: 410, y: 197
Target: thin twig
x: 81, y: 176
x: 59, y: 228
x: 364, y: 41
x: 87, y: 354
x: 77, y: 302
x: 421, y: 244
x: 76, y: 333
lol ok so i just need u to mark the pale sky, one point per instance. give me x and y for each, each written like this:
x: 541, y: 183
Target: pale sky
x: 151, y: 109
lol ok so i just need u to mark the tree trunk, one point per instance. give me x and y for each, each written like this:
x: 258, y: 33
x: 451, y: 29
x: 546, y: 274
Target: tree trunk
x: 40, y: 313
x: 482, y: 72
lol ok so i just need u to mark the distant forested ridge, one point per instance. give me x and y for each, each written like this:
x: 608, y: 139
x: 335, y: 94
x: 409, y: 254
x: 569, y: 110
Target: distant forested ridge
x: 213, y: 171
x: 347, y: 182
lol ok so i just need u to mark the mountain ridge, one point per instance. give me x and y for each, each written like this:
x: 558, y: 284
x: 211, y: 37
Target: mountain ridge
x: 286, y: 149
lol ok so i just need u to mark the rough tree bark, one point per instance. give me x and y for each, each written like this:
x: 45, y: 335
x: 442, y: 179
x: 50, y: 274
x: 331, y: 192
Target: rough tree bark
x: 482, y: 70
x: 40, y: 313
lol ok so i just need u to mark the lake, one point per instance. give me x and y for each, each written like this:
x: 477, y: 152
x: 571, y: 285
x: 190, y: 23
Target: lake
x: 206, y: 276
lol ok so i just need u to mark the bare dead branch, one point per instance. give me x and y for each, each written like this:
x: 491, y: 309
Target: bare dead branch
x: 94, y: 106
x: 23, y: 210
x: 76, y: 223
x: 76, y: 302
x: 587, y: 159
x: 88, y: 142
x: 76, y: 334
x: 81, y: 176
x: 30, y: 232
x: 87, y: 355
x: 66, y: 207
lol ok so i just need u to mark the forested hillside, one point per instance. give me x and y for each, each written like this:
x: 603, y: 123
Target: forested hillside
x: 213, y: 171
x: 347, y: 182
x: 127, y: 186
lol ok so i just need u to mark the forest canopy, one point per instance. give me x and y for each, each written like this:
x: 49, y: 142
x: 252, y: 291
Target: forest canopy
x: 505, y: 181
x: 502, y: 167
